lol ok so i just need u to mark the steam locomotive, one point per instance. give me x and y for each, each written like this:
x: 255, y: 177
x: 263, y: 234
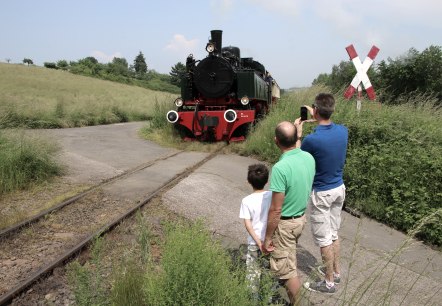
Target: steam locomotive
x: 222, y: 95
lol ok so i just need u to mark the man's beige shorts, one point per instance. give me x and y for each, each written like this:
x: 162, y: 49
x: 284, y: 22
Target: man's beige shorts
x: 325, y: 214
x: 283, y: 258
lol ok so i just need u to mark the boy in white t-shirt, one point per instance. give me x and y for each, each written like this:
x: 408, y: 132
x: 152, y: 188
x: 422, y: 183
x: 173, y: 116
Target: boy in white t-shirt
x: 254, y: 210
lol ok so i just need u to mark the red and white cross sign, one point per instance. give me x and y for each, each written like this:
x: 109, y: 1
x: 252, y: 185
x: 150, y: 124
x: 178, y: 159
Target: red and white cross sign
x: 361, y: 75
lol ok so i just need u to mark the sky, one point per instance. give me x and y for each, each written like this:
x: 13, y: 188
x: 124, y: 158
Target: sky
x: 295, y: 40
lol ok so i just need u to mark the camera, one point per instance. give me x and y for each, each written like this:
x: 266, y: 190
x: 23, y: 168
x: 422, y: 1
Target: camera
x: 304, y: 113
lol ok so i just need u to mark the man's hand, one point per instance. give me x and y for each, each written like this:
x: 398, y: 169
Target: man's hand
x: 310, y: 109
x: 298, y: 124
x: 268, y: 246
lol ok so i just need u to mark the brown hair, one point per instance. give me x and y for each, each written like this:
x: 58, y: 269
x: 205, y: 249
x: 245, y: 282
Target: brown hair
x: 325, y: 105
x: 257, y: 176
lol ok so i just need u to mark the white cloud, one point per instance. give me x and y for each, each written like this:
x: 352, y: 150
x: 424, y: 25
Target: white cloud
x: 181, y: 46
x: 103, y: 57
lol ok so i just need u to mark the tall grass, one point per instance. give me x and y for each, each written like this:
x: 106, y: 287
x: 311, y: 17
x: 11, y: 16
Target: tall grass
x: 193, y: 269
x: 25, y: 160
x: 35, y: 97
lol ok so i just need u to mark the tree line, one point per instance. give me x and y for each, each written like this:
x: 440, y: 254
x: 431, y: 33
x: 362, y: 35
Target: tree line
x: 395, y: 79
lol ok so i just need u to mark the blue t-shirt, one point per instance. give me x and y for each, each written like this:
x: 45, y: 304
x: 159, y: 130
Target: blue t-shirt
x: 328, y: 145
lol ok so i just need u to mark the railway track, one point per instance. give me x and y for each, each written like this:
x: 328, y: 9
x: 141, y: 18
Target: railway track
x: 33, y: 248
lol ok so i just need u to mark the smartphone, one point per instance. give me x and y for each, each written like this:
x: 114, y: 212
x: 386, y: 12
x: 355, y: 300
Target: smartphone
x: 304, y: 113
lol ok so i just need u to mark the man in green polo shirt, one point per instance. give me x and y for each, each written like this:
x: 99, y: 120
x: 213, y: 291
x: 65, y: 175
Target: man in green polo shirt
x: 291, y: 183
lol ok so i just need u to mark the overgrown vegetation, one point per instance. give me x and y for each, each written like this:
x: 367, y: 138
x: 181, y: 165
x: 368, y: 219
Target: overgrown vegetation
x: 25, y: 160
x: 193, y: 269
x: 394, y: 160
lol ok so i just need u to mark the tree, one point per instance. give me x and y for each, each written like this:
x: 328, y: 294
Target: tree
x: 140, y: 65
x: 50, y: 65
x: 28, y: 61
x: 177, y: 73
x: 413, y: 72
x: 63, y: 64
x: 119, y: 66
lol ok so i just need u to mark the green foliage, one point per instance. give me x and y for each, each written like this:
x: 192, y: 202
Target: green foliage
x: 87, y: 281
x: 413, y: 72
x: 25, y: 160
x: 28, y: 61
x: 128, y: 285
x: 341, y: 76
x: 118, y: 67
x: 140, y: 65
x: 195, y: 270
x: 50, y: 65
x: 62, y: 64
x: 177, y: 73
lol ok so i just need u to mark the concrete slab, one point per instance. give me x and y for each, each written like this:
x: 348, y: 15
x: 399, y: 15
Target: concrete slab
x: 380, y: 266
x: 95, y: 153
x: 139, y: 185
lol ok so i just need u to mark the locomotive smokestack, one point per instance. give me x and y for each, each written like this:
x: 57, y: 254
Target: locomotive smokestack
x: 217, y: 39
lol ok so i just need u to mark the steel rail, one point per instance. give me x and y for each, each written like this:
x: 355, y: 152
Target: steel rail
x: 15, y: 227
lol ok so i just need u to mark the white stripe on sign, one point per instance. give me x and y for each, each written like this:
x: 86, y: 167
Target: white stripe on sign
x: 361, y: 72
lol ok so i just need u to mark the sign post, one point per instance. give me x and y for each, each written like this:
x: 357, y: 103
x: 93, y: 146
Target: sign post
x: 361, y: 74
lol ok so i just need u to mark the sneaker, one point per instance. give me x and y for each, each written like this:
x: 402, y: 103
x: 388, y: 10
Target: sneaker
x: 319, y: 287
x: 336, y: 279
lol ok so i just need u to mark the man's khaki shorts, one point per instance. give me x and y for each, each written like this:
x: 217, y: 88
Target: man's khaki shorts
x: 325, y: 214
x: 285, y: 238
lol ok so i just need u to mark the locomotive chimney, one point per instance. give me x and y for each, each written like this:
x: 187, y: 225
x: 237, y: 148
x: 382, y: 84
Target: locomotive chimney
x: 217, y: 39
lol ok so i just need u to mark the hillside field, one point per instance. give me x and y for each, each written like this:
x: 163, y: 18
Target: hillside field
x: 36, y: 97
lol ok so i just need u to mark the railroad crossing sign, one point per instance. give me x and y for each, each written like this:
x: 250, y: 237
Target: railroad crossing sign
x: 361, y: 75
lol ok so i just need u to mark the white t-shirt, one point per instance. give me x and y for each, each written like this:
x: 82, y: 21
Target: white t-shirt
x: 255, y: 207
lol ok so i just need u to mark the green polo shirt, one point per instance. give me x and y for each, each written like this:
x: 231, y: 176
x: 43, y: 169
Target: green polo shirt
x: 293, y: 175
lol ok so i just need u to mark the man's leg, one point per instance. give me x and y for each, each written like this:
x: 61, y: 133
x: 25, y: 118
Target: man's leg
x: 336, y: 256
x: 328, y: 258
x: 293, y: 285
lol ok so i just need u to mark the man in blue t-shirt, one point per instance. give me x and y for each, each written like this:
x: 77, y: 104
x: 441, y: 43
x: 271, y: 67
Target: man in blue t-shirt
x: 328, y: 145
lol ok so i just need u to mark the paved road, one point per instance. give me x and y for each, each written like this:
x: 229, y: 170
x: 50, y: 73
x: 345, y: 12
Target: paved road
x: 380, y: 266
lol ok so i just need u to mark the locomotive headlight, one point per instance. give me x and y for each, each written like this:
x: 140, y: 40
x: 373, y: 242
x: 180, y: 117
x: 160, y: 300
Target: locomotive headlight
x: 210, y: 47
x: 179, y: 102
x: 230, y: 115
x: 172, y: 116
x: 245, y: 100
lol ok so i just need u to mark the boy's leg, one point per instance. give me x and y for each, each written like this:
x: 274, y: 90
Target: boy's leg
x: 253, y: 268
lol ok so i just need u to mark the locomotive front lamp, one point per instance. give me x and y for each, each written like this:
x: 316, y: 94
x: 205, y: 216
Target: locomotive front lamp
x: 230, y: 115
x: 179, y: 102
x: 210, y: 47
x: 172, y: 116
x: 245, y: 100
